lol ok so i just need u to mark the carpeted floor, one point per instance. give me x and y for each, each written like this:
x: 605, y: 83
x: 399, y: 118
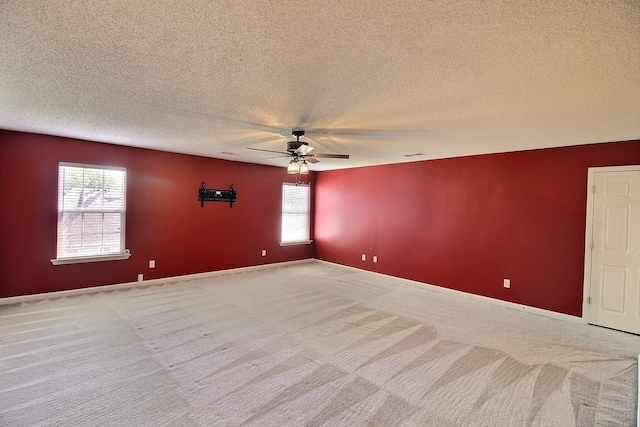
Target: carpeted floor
x: 307, y: 344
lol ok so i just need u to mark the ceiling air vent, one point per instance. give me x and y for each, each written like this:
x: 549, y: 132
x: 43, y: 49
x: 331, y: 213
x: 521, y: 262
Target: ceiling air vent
x: 414, y: 155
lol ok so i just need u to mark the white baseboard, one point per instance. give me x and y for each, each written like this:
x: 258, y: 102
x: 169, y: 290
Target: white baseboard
x: 494, y: 301
x: 152, y: 282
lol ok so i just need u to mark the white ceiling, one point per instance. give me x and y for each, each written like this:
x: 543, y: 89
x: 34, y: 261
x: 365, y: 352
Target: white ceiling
x: 376, y: 79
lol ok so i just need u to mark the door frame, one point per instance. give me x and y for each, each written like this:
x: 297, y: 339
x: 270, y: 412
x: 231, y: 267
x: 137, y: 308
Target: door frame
x: 589, y: 231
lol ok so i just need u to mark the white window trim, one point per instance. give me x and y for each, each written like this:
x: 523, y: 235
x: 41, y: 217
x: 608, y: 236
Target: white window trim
x: 299, y: 242
x: 96, y: 258
x: 302, y: 242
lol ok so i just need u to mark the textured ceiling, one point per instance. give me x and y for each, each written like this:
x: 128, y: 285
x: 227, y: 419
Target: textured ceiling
x: 376, y: 79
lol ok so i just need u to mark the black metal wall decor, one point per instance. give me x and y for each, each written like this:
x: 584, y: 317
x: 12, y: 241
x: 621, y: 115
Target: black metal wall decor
x: 213, y: 195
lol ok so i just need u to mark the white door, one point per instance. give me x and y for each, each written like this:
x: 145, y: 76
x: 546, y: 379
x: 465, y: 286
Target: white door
x: 615, y: 253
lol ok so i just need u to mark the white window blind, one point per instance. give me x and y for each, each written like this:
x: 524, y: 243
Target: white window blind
x: 295, y: 213
x: 91, y: 211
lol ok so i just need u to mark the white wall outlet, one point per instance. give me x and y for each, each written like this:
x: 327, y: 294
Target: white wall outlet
x: 375, y: 258
x: 152, y: 263
x: 507, y: 283
x: 264, y: 252
x: 364, y: 257
x: 140, y: 277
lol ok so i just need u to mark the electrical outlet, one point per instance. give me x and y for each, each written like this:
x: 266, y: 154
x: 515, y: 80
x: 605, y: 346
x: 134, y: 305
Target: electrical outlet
x: 264, y: 252
x: 152, y: 263
x: 507, y: 283
x: 364, y: 257
x: 375, y: 258
x: 140, y: 277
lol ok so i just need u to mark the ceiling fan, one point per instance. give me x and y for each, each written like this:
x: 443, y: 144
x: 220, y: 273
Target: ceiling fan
x: 301, y: 154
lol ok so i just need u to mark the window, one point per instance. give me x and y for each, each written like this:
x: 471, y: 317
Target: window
x: 91, y: 213
x: 295, y: 214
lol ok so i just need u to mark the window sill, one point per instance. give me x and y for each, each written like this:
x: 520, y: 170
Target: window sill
x: 96, y: 258
x: 303, y: 242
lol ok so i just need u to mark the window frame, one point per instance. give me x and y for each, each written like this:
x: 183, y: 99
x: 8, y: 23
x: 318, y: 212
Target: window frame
x: 124, y: 253
x: 308, y: 214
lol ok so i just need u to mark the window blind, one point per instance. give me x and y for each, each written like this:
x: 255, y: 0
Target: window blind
x: 295, y: 213
x: 91, y: 210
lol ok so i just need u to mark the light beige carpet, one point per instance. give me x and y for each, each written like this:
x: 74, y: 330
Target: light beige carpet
x: 308, y: 344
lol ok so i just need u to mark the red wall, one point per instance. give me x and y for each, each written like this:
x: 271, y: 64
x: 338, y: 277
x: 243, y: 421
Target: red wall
x: 467, y: 223
x: 164, y: 221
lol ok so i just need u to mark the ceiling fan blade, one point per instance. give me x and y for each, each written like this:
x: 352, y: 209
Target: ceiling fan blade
x: 370, y: 133
x: 268, y: 151
x: 311, y: 160
x: 331, y: 156
x: 252, y: 139
x: 276, y: 157
x: 304, y: 150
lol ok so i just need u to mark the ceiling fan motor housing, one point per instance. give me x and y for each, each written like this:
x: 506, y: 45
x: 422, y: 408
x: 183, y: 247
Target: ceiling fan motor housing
x: 294, y: 145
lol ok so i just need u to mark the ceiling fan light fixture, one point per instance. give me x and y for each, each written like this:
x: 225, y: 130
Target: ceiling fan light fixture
x: 294, y: 167
x: 304, y: 168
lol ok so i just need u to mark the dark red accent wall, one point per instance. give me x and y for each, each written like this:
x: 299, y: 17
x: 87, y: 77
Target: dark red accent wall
x: 467, y: 223
x: 164, y: 221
